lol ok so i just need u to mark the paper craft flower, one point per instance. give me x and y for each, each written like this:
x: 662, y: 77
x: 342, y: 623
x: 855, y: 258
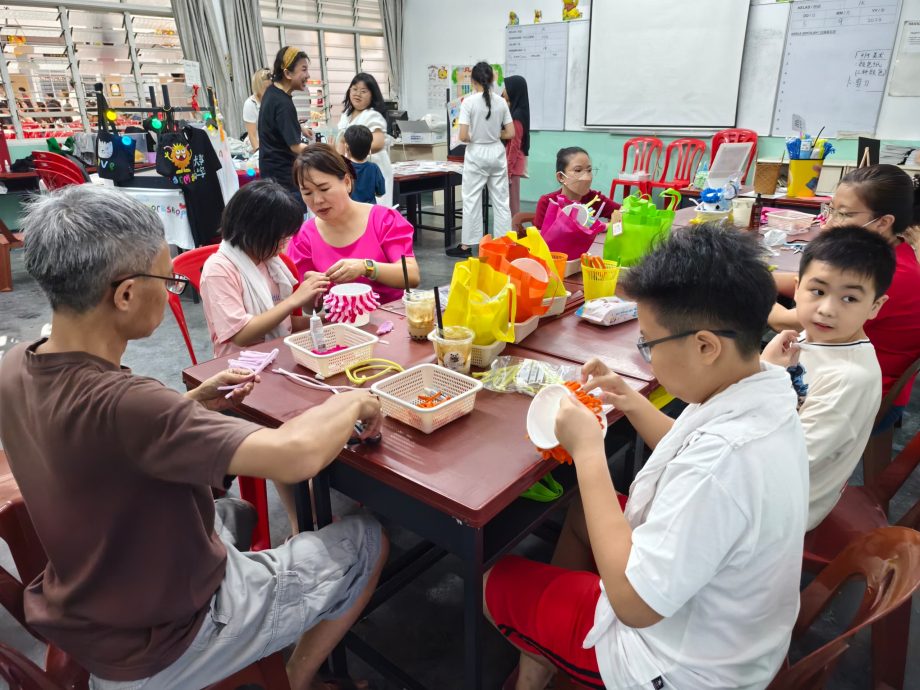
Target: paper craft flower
x: 348, y: 302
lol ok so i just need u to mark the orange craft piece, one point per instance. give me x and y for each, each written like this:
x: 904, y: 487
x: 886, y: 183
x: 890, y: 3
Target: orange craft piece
x: 560, y: 454
x: 429, y: 401
x: 592, y: 261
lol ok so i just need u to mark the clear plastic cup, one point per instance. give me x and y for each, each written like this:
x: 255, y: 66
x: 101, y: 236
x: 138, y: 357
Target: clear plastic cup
x: 419, y: 313
x: 454, y: 348
x: 741, y: 211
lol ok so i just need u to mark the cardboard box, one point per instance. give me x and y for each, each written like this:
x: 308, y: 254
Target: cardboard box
x: 418, y: 132
x: 418, y: 152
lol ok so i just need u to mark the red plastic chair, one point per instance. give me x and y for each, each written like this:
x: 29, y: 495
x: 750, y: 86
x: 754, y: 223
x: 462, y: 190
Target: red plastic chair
x: 888, y: 560
x: 735, y: 136
x: 57, y: 171
x: 643, y: 150
x: 877, y: 455
x: 862, y: 509
x: 62, y: 671
x: 252, y: 489
x: 689, y: 154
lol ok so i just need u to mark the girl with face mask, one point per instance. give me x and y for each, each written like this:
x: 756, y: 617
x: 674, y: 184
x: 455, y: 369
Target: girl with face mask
x: 575, y: 174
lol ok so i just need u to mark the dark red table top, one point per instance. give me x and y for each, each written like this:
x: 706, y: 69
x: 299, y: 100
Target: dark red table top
x: 472, y: 469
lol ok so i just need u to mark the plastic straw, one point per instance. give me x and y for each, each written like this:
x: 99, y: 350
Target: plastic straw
x: 406, y: 274
x: 437, y: 312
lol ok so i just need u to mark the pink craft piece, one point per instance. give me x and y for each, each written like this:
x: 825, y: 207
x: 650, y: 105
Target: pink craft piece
x: 249, y: 359
x: 385, y: 328
x: 347, y: 308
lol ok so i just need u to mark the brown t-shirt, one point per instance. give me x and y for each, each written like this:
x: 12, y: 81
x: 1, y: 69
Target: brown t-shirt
x: 115, y: 470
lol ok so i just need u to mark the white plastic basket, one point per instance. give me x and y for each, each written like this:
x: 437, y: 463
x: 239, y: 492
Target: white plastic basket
x: 399, y: 393
x: 484, y: 355
x: 556, y: 305
x: 793, y: 222
x: 358, y: 344
x: 525, y: 328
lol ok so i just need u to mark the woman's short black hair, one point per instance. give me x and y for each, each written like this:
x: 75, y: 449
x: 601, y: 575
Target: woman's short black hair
x: 707, y: 278
x: 853, y: 249
x: 885, y: 189
x: 563, y: 156
x: 259, y: 217
x: 376, y: 94
x: 324, y: 158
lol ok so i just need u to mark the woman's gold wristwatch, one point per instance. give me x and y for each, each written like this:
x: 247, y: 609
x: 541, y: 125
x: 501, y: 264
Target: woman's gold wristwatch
x: 370, y: 269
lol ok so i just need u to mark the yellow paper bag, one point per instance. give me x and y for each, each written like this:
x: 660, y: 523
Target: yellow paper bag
x: 483, y: 300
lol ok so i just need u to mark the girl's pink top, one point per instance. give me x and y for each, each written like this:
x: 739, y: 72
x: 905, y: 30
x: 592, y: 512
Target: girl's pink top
x: 517, y: 161
x: 387, y: 237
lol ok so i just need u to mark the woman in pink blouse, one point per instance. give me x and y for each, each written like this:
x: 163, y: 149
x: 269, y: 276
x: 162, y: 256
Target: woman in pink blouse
x: 349, y: 241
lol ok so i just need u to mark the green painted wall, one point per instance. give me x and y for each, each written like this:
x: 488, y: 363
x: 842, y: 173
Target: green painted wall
x: 606, y: 151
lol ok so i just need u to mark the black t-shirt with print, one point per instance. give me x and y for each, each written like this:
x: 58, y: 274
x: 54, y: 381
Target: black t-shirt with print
x: 190, y: 159
x: 278, y: 131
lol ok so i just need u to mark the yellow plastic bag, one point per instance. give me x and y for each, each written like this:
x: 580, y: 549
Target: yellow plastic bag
x: 483, y: 300
x: 537, y: 246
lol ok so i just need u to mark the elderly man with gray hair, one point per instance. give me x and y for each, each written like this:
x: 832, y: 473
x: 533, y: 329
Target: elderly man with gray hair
x: 142, y: 587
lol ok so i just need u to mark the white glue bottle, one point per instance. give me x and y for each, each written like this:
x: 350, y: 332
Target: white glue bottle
x: 316, y: 333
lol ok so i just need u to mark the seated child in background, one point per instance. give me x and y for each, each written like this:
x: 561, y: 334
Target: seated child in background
x: 842, y: 282
x: 246, y: 289
x: 574, y: 173
x: 369, y: 182
x: 696, y: 583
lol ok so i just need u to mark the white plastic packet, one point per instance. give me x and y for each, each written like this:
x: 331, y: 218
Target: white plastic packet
x: 608, y: 311
x: 774, y: 237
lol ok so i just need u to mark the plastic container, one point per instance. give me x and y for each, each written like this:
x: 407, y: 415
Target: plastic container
x: 572, y: 267
x: 541, y: 416
x: 792, y: 222
x: 600, y: 282
x: 525, y: 328
x: 399, y: 393
x: 484, y: 355
x: 560, y: 259
x: 803, y: 177
x: 358, y: 344
x: 556, y: 305
x: 453, y: 347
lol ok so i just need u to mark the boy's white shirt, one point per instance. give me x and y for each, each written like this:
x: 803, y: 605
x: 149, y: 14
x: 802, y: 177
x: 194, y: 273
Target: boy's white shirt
x: 838, y: 413
x: 718, y: 516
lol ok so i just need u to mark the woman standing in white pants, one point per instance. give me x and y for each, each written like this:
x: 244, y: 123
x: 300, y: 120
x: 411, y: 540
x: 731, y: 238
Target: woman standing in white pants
x: 484, y: 122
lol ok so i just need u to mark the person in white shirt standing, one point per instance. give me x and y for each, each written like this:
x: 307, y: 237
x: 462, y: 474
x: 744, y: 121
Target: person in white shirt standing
x: 261, y: 80
x: 485, y: 121
x: 364, y: 105
x: 696, y: 584
x: 842, y: 281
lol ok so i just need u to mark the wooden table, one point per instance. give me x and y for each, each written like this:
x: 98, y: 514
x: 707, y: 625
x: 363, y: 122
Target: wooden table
x: 407, y: 190
x: 808, y: 204
x: 458, y: 488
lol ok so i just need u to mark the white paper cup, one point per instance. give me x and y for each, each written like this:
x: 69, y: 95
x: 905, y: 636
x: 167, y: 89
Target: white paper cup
x: 741, y: 211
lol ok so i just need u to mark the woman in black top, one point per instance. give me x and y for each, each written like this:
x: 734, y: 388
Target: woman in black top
x: 280, y: 133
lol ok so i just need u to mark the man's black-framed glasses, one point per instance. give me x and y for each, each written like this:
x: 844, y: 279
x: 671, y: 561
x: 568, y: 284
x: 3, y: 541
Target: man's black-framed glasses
x: 175, y: 283
x: 645, y: 346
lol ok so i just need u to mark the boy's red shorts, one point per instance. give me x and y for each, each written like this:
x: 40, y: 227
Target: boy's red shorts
x: 547, y: 611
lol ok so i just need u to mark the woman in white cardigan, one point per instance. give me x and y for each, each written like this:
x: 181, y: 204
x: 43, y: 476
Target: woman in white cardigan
x: 364, y: 106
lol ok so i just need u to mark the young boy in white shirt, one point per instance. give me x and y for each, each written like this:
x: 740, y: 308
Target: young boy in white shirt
x: 842, y: 281
x: 696, y: 583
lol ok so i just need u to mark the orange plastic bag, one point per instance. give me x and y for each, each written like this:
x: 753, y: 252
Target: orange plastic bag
x: 502, y: 254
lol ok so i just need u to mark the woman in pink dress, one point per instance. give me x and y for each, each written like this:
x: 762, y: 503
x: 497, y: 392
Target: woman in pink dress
x: 349, y: 241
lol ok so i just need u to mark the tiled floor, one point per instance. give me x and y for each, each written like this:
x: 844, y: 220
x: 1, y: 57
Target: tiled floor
x: 420, y: 628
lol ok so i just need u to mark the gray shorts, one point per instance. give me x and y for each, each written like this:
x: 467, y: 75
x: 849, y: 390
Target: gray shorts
x: 268, y: 599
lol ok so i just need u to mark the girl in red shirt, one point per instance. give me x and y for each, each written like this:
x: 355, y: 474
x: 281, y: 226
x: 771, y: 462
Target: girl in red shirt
x: 517, y: 149
x: 575, y: 174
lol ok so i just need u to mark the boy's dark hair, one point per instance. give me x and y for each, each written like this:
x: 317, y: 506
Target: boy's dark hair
x: 259, y: 217
x: 885, y: 189
x: 856, y: 250
x: 377, y: 102
x: 563, y: 156
x: 707, y: 278
x: 359, y: 138
x: 483, y: 75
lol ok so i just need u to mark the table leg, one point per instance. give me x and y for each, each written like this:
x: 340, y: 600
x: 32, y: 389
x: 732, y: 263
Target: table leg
x: 485, y: 210
x: 450, y: 218
x: 472, y: 610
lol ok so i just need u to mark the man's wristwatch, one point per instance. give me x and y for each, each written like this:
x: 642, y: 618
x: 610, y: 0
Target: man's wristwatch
x: 370, y: 269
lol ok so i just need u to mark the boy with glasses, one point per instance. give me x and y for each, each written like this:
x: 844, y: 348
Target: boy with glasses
x: 696, y: 582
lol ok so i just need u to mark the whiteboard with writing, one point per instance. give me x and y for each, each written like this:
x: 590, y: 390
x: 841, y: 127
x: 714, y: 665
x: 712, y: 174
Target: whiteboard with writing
x: 835, y: 65
x: 539, y: 53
